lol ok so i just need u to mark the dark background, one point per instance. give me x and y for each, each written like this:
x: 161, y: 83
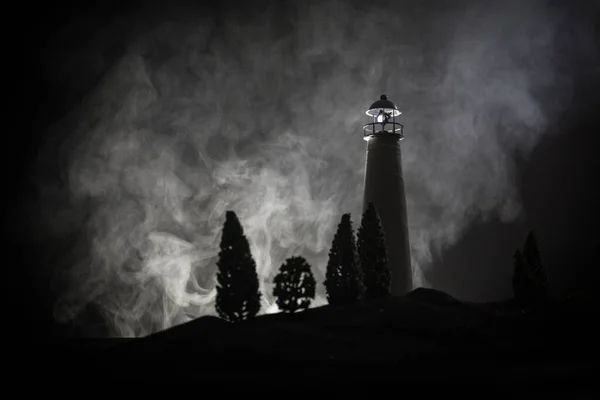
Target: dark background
x: 558, y: 181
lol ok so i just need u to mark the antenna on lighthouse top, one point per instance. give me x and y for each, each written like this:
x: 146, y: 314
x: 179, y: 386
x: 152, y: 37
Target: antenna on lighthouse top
x: 384, y: 113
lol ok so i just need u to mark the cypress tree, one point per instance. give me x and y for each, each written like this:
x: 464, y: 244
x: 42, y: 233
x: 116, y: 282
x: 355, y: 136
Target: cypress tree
x: 343, y: 280
x: 529, y: 278
x: 372, y: 253
x: 238, y: 293
x: 294, y: 285
x: 536, y: 271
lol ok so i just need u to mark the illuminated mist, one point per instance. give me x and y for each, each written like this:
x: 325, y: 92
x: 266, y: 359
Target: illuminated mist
x: 260, y: 111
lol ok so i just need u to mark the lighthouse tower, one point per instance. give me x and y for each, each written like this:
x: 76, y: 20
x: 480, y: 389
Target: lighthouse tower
x: 384, y: 187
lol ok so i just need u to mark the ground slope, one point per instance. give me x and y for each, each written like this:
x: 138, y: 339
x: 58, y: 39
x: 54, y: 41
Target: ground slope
x: 424, y: 337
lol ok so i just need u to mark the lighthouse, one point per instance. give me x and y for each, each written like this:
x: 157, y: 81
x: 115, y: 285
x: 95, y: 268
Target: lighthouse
x: 384, y: 187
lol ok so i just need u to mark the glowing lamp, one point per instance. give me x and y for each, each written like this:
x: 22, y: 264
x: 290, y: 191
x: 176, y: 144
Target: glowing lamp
x: 384, y: 113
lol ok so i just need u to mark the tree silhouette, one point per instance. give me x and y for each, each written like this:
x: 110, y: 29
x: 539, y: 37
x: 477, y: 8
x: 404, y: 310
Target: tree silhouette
x: 238, y: 294
x: 529, y: 276
x: 343, y: 279
x: 536, y: 270
x: 372, y: 253
x: 294, y: 285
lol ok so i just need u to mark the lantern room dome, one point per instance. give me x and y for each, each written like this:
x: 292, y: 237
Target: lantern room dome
x: 383, y: 104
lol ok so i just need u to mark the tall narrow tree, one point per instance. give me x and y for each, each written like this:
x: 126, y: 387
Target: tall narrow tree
x: 536, y: 270
x: 238, y: 293
x: 372, y: 253
x: 529, y: 278
x: 343, y: 278
x: 294, y: 285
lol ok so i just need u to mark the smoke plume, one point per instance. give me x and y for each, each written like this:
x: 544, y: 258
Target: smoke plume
x: 259, y: 110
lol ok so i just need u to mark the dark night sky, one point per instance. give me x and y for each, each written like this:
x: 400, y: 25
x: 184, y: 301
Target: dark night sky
x: 328, y: 73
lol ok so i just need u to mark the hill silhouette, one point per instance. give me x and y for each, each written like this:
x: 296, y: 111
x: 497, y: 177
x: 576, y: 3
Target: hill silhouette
x: 424, y: 337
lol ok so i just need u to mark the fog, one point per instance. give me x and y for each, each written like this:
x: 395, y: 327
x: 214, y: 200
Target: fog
x: 259, y: 110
